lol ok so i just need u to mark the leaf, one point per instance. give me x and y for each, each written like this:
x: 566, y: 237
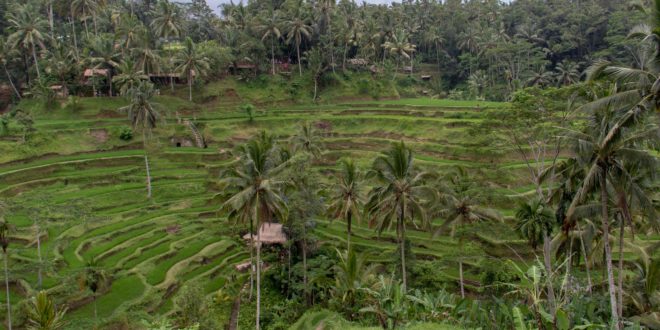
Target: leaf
x: 519, y: 319
x: 562, y: 321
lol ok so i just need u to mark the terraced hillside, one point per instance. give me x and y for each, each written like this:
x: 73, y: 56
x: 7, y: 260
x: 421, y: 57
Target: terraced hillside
x: 86, y: 194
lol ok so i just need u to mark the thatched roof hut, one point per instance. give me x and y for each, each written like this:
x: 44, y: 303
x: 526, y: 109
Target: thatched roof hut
x: 270, y: 233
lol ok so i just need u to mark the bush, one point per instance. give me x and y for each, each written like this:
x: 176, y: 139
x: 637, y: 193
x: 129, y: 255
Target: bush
x: 125, y: 133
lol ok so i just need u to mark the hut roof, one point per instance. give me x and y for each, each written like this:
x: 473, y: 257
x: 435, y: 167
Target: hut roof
x: 95, y: 72
x: 271, y: 233
x: 358, y: 61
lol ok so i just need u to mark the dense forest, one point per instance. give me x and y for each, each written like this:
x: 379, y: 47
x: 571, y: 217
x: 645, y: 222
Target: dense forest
x: 293, y: 164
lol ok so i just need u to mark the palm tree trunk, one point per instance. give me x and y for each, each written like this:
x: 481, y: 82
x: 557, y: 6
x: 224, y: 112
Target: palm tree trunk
x: 298, y: 53
x: 343, y: 62
x: 620, y: 284
x: 190, y: 85
x: 258, y: 278
x: 36, y: 62
x: 50, y: 18
x: 96, y: 29
x: 110, y: 82
x: 288, y: 287
x: 348, y: 233
x: 548, y: 270
x: 402, y: 242
x: 75, y: 38
x: 7, y: 291
x: 96, y: 313
x: 586, y: 258
x: 146, y: 166
x: 272, y: 53
x: 86, y: 28
x: 11, y: 82
x: 39, y: 277
x: 306, y: 293
x: 608, y: 251
x: 437, y: 56
x: 172, y: 83
x: 460, y: 275
x: 252, y: 265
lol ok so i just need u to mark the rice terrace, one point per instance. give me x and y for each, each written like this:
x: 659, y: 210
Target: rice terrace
x: 297, y: 164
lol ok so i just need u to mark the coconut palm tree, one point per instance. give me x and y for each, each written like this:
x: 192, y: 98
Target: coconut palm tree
x: 84, y: 9
x: 167, y: 20
x: 400, y: 47
x: 352, y: 274
x: 93, y: 278
x: 458, y: 204
x: 297, y: 30
x: 603, y: 149
x: 147, y: 59
x: 130, y: 30
x: 27, y: 26
x: 191, y: 63
x: 567, y: 73
x: 60, y: 65
x: 535, y: 221
x: 43, y: 315
x: 397, y: 196
x: 129, y: 76
x: 308, y: 140
x: 347, y: 197
x: 103, y: 55
x: 6, y: 55
x: 5, y: 228
x: 144, y: 116
x: 255, y: 193
x: 269, y: 28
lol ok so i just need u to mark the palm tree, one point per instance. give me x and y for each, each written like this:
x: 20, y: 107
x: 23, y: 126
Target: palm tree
x: 255, y: 193
x: 567, y: 73
x: 603, y: 148
x: 43, y: 315
x: 352, y: 273
x: 27, y: 26
x: 400, y: 47
x: 459, y: 205
x: 347, y: 197
x: 191, y: 63
x: 60, y: 65
x: 308, y: 140
x: 129, y: 76
x: 84, y: 9
x: 147, y: 59
x: 397, y: 196
x: 131, y: 31
x: 93, y: 278
x: 167, y: 20
x: 5, y: 228
x: 269, y: 29
x: 104, y: 55
x: 297, y: 31
x: 6, y: 54
x: 535, y: 221
x: 434, y: 37
x: 144, y: 116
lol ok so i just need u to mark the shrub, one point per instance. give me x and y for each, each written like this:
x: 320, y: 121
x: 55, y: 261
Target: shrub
x: 125, y: 133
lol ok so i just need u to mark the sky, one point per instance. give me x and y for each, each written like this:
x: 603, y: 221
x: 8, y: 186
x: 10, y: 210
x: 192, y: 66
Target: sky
x: 215, y: 3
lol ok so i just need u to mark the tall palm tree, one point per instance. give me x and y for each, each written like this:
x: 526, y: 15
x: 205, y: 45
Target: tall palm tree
x: 191, y: 63
x: 144, y: 117
x: 270, y: 29
x: 397, y: 196
x: 255, y: 193
x: 129, y: 76
x: 6, y: 55
x: 104, y: 55
x: 308, y: 140
x: 5, y: 228
x: 147, y: 59
x: 352, y: 273
x: 60, y: 65
x: 603, y: 148
x: 346, y: 198
x: 535, y: 221
x: 93, y: 278
x: 84, y: 9
x: 400, y: 47
x: 567, y: 73
x: 43, y: 315
x: 167, y: 20
x: 27, y: 26
x: 297, y: 30
x: 130, y: 30
x: 459, y: 206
